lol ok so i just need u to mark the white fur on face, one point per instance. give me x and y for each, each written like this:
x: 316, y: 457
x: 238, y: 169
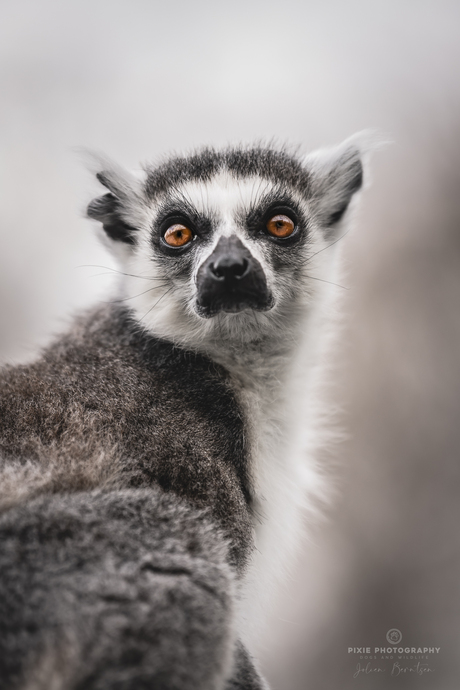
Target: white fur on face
x: 165, y: 304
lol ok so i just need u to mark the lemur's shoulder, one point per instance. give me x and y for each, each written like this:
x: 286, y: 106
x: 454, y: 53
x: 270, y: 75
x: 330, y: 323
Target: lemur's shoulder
x: 160, y: 414
x: 106, y: 362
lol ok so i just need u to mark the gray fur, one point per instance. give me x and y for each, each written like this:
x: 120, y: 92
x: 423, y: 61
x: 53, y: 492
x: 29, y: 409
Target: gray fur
x: 131, y: 485
x: 124, y: 589
x: 129, y: 586
x: 137, y: 400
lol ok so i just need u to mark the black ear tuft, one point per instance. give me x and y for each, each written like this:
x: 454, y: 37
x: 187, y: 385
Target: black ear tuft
x: 351, y: 172
x: 106, y: 209
x: 336, y: 174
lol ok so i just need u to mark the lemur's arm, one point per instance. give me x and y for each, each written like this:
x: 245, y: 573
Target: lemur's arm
x: 119, y: 589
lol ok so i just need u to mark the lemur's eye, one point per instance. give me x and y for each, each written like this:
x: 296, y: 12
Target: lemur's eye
x: 280, y: 226
x: 178, y: 235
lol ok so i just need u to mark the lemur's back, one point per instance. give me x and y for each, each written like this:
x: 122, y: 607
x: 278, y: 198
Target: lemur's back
x: 156, y: 413
x: 127, y: 544
x: 150, y: 470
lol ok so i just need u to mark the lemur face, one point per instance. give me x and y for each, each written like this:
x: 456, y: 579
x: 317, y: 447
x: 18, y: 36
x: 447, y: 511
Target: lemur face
x: 227, y: 244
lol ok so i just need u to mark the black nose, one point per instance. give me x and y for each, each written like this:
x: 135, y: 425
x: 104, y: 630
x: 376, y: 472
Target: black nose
x: 229, y: 267
x: 230, y: 280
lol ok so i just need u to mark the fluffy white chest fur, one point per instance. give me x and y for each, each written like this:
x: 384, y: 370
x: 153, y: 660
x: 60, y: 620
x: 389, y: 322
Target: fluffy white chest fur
x: 278, y: 391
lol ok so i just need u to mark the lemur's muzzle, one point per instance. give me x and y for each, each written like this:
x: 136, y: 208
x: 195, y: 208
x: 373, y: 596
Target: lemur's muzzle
x: 231, y: 280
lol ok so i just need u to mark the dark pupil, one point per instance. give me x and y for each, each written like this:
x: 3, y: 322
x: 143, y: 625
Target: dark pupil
x: 280, y: 223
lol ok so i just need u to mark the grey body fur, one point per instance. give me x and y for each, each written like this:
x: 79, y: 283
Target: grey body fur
x: 128, y: 587
x: 131, y: 482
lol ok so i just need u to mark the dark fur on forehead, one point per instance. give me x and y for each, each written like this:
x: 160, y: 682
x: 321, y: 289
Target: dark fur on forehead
x: 276, y: 165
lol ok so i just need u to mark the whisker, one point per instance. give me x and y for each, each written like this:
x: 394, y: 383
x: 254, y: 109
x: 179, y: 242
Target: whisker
x: 202, y: 198
x: 114, y: 270
x: 125, y: 299
x: 322, y: 280
x: 219, y: 326
x: 158, y: 301
x: 329, y: 245
x: 97, y: 275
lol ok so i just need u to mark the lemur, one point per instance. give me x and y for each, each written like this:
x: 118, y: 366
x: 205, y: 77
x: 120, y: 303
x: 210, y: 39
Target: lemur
x: 152, y: 468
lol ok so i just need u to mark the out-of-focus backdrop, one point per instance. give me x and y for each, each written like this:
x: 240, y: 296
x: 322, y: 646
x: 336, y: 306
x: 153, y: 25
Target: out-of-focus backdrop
x: 141, y: 78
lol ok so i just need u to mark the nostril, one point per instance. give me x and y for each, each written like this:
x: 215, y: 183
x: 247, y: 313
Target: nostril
x: 215, y: 271
x: 240, y: 268
x: 228, y: 268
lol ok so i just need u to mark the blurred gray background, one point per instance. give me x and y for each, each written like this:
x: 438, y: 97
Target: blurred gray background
x: 139, y: 79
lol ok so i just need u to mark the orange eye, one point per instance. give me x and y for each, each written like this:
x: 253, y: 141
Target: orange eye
x: 178, y: 235
x: 280, y: 226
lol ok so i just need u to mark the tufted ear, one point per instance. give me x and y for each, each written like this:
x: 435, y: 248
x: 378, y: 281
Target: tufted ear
x: 336, y: 174
x: 119, y: 211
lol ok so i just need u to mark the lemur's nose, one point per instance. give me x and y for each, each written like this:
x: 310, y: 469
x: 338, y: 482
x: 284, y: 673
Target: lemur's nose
x: 231, y: 279
x: 229, y: 267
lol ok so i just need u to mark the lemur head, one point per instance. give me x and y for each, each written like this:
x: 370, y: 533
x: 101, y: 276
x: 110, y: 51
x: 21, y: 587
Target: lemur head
x: 228, y: 245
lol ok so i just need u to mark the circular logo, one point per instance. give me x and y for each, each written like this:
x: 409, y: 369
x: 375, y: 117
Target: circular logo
x: 394, y: 636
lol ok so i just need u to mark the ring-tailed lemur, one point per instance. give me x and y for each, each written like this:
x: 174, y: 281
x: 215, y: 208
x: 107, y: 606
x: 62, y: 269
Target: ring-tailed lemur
x: 151, y: 472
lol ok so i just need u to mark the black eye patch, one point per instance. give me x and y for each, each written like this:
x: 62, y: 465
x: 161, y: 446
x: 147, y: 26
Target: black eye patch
x: 173, y: 213
x: 257, y: 219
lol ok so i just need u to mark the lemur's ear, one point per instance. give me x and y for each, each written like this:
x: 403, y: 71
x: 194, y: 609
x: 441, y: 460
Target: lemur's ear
x: 336, y: 174
x: 106, y: 209
x: 119, y: 211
